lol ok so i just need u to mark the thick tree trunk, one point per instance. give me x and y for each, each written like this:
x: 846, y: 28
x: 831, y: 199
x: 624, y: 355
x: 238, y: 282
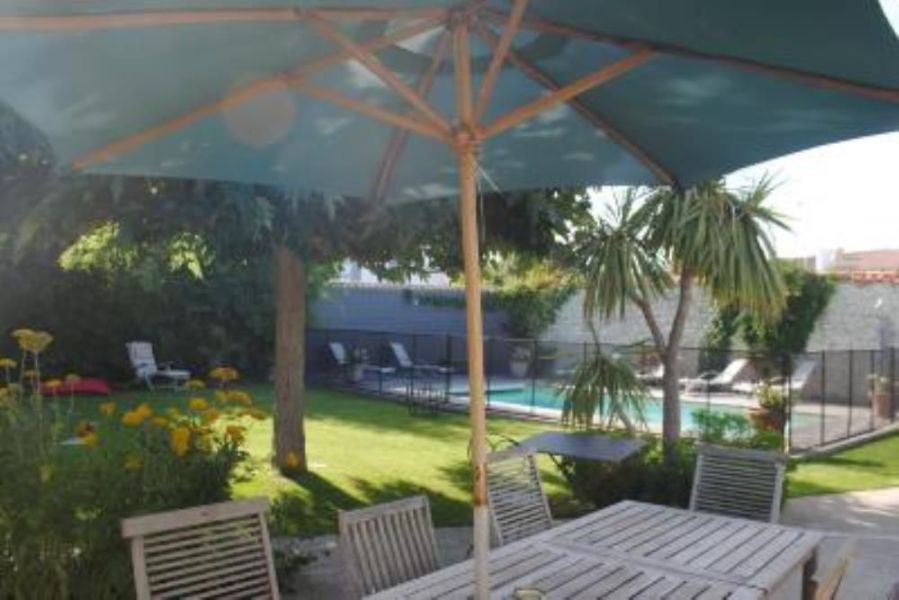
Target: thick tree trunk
x: 671, y: 425
x: 290, y: 332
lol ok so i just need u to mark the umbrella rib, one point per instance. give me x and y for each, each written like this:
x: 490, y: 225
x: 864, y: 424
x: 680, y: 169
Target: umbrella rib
x: 241, y: 95
x: 162, y: 18
x: 374, y: 65
x: 569, y: 91
x: 873, y: 92
x: 499, y: 55
x: 371, y: 110
x: 400, y: 136
x: 588, y: 114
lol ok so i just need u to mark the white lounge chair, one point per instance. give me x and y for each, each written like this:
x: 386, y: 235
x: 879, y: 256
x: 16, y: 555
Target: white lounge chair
x: 143, y: 361
x: 713, y: 382
x: 653, y: 377
x: 342, y: 361
x: 802, y: 373
x: 405, y: 363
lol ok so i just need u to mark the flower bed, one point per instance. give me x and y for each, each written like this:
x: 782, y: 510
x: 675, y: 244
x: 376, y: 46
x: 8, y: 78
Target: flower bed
x: 65, y: 484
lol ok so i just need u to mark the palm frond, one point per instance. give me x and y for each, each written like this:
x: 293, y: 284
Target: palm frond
x: 604, y: 388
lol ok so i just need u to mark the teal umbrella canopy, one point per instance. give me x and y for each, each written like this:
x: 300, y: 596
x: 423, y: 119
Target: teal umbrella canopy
x: 400, y: 100
x: 251, y: 91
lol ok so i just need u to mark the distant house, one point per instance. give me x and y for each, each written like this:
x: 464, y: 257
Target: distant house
x: 866, y: 266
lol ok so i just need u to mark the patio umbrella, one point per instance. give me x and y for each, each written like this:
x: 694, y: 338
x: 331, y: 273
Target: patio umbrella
x: 401, y: 100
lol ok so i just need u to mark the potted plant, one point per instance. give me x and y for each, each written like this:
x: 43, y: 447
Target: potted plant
x: 879, y: 394
x: 520, y: 361
x: 772, y: 407
x: 358, y: 360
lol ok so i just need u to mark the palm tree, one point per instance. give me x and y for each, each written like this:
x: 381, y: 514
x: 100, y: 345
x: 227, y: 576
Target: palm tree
x: 667, y: 241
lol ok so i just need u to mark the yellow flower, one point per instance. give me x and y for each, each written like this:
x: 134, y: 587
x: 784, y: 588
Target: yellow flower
x: 46, y: 473
x: 107, y: 408
x: 29, y: 373
x: 211, y: 416
x: 84, y: 428
x: 220, y: 396
x: 133, y: 462
x: 144, y: 409
x: 179, y: 440
x: 203, y: 443
x: 174, y: 412
x: 53, y: 384
x: 72, y: 378
x: 90, y: 440
x: 224, y: 374
x: 7, y: 363
x: 195, y: 384
x: 33, y: 341
x: 136, y: 416
x: 292, y: 461
x: 239, y: 397
x: 236, y: 433
x: 160, y: 421
x: 256, y: 413
x: 198, y: 404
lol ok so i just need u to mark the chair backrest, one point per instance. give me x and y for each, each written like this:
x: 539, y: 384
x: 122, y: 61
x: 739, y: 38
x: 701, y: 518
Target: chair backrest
x: 518, y: 506
x: 216, y: 550
x: 738, y: 483
x: 402, y: 357
x: 338, y: 352
x: 142, y: 358
x: 801, y: 373
x: 388, y: 544
x: 731, y: 372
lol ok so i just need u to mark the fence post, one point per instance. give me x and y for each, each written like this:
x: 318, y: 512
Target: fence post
x: 876, y: 376
x: 787, y: 417
x: 449, y: 364
x: 535, y: 362
x: 892, y: 384
x: 823, y: 395
x: 412, y: 370
x: 851, y: 391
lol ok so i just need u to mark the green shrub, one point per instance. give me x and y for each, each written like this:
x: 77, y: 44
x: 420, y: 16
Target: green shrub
x: 731, y: 429
x: 646, y: 477
x: 65, y: 486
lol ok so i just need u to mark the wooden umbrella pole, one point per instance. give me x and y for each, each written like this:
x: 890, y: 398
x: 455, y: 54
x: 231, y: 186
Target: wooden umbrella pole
x: 466, y: 153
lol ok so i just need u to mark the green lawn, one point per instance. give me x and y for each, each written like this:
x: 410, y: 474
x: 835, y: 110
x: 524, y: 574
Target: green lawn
x: 361, y: 450
x: 873, y: 465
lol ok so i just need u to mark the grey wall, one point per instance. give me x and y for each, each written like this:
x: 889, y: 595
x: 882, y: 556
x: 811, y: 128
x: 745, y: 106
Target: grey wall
x: 395, y: 309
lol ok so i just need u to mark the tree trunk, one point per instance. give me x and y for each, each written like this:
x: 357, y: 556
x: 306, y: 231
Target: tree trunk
x: 290, y: 333
x: 671, y: 425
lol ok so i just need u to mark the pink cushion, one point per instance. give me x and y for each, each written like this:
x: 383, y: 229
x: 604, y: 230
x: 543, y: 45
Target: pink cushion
x: 88, y: 386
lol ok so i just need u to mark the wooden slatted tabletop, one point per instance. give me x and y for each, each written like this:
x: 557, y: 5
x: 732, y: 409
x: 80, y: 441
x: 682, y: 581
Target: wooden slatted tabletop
x: 639, y: 551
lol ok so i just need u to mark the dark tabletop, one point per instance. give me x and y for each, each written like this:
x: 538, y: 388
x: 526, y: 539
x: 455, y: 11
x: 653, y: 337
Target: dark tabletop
x: 588, y: 446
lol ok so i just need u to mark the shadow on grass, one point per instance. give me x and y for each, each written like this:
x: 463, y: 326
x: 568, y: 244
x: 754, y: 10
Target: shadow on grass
x: 316, y: 513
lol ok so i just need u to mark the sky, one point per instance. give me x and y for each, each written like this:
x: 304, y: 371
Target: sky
x: 843, y: 195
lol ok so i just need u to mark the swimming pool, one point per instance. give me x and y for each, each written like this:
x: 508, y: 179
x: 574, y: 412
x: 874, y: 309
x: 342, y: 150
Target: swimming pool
x: 548, y: 399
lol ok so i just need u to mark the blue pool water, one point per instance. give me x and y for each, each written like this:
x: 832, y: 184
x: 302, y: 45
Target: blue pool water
x: 549, y: 399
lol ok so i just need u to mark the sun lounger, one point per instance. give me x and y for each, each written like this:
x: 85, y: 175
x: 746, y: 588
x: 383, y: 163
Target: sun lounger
x: 405, y: 363
x: 716, y: 382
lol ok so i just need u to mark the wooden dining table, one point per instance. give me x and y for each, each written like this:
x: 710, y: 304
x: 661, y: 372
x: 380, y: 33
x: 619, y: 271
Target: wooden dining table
x: 634, y: 550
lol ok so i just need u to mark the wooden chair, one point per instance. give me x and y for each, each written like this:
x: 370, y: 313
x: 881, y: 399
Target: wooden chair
x: 739, y: 483
x: 213, y: 551
x: 831, y: 562
x: 388, y: 544
x: 518, y: 506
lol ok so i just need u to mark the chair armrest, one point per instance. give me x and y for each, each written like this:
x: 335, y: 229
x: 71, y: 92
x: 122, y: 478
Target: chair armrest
x: 166, y: 365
